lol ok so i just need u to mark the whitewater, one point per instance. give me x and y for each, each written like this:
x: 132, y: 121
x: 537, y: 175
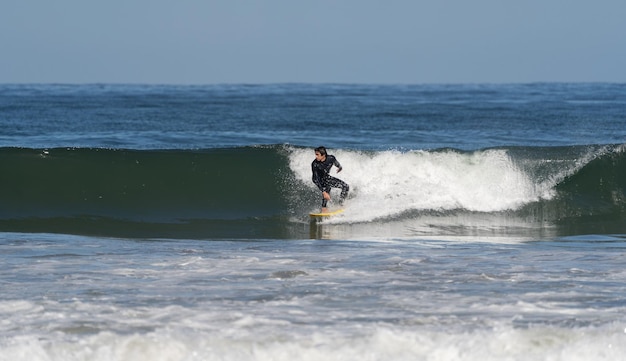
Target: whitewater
x: 99, y: 299
x: 392, y: 182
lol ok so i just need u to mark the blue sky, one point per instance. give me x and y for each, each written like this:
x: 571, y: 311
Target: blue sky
x: 349, y: 41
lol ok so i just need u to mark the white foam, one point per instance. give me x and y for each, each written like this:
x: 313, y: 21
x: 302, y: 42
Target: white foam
x: 392, y: 182
x: 311, y: 300
x: 383, y: 343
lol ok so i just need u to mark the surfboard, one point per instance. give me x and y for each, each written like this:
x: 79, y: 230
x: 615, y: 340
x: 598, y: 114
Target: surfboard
x: 326, y: 214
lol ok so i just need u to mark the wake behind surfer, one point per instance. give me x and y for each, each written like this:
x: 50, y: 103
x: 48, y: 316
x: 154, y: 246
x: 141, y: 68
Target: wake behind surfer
x: 321, y: 167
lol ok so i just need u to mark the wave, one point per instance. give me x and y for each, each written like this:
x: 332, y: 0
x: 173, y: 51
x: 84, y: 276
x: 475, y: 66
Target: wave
x: 266, y: 191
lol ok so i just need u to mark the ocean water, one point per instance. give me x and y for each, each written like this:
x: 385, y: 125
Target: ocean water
x: 485, y: 222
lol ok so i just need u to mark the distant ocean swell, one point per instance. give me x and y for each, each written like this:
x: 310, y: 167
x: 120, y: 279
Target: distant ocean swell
x: 265, y: 191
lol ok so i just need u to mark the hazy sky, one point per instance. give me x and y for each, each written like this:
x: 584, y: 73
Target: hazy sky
x: 340, y: 41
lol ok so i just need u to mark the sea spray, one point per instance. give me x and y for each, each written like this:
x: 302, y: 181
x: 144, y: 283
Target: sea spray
x: 389, y: 183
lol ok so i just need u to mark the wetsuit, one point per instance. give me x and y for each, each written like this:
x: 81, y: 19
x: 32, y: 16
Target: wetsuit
x: 324, y: 181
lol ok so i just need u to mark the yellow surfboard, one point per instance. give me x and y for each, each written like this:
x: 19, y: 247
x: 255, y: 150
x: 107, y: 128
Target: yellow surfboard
x: 326, y: 214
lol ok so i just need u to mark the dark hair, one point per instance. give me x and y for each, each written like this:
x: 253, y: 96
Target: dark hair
x: 321, y: 150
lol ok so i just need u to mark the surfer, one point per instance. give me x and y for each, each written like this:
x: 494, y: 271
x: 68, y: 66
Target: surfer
x: 323, y: 180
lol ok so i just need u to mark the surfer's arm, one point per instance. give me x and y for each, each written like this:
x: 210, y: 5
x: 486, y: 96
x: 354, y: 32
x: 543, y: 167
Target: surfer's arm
x: 337, y: 164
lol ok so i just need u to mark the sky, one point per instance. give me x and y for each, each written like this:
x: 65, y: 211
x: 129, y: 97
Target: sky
x: 320, y: 41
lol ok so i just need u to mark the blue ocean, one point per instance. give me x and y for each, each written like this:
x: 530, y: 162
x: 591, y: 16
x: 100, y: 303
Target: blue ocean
x: 162, y: 222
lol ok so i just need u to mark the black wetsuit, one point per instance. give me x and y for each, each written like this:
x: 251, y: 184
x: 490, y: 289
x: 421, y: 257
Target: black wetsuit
x: 324, y: 181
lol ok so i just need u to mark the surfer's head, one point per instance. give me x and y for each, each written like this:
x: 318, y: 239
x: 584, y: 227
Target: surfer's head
x: 320, y: 154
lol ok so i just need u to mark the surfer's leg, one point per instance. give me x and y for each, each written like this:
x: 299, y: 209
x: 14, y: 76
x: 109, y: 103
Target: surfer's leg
x: 324, y: 200
x: 338, y: 183
x: 345, y: 188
